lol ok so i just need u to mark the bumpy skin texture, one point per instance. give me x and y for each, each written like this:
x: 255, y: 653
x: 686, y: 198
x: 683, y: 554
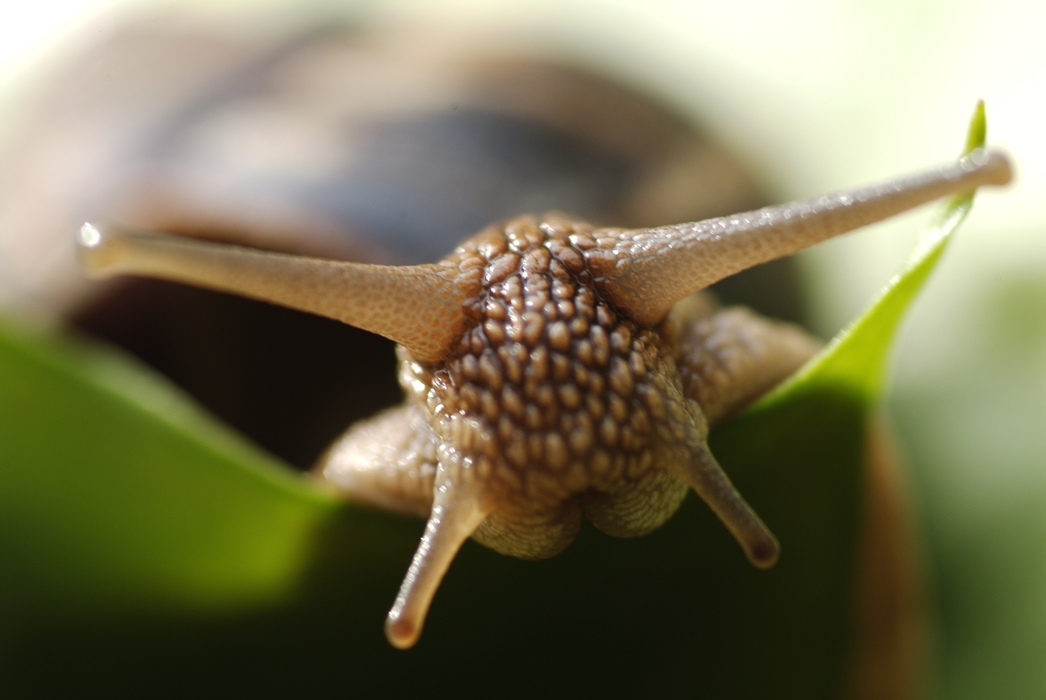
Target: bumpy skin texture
x: 552, y: 394
x: 555, y: 402
x: 728, y: 358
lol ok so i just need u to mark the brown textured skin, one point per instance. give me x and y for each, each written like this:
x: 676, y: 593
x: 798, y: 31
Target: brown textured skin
x: 557, y: 403
x: 728, y: 358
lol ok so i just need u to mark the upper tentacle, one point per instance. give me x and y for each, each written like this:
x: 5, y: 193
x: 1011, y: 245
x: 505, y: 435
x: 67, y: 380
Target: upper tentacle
x: 647, y: 271
x: 418, y: 306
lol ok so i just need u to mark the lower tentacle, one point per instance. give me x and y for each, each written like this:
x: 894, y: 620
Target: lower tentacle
x: 456, y: 513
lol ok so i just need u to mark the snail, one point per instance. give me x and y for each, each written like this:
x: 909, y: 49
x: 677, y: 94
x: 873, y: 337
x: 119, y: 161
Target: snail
x: 552, y: 368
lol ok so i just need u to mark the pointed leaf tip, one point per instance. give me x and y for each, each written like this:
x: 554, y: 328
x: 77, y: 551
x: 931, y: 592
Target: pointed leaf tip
x: 978, y: 131
x: 855, y: 360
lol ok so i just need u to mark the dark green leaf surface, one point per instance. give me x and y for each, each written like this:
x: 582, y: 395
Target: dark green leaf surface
x: 116, y: 493
x: 148, y: 551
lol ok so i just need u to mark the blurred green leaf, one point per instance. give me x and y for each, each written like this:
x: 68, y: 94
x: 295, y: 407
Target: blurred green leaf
x: 116, y: 492
x: 142, y: 542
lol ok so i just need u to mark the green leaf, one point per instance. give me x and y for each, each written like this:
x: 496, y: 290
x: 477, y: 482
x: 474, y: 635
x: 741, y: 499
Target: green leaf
x: 141, y: 541
x: 116, y: 492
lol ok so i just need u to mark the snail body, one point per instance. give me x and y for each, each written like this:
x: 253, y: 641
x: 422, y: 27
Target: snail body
x: 552, y: 368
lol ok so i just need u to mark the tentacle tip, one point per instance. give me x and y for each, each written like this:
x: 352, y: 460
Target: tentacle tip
x: 999, y: 168
x: 764, y: 552
x: 95, y: 248
x: 402, y: 633
x: 991, y: 167
x: 90, y: 236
